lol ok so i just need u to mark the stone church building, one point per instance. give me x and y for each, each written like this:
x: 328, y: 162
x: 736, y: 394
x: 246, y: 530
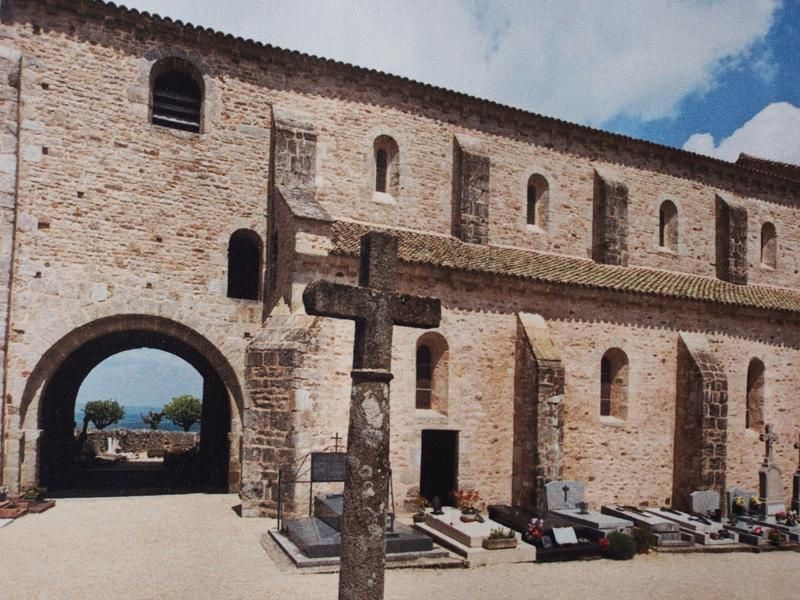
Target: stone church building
x: 613, y: 311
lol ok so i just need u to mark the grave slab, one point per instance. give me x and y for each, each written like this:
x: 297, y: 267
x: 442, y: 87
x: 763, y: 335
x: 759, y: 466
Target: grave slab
x: 466, y: 539
x: 666, y: 532
x: 700, y: 529
x: 590, y: 518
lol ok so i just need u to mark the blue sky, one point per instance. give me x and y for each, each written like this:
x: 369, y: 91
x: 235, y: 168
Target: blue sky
x: 142, y: 377
x: 712, y: 76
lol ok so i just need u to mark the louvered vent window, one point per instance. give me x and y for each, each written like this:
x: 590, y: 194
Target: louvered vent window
x: 177, y: 101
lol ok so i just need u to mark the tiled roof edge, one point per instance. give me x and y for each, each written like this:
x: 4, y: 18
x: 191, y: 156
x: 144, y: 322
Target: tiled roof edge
x: 450, y: 253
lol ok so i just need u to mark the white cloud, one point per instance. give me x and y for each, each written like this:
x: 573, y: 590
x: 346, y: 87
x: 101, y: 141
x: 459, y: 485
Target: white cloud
x: 585, y: 60
x: 774, y: 133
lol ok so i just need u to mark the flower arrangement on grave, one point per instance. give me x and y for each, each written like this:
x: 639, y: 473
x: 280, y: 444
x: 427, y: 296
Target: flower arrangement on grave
x: 774, y: 536
x: 757, y: 530
x: 739, y: 505
x: 603, y: 543
x: 755, y: 504
x: 420, y: 503
x: 535, y: 530
x: 498, y: 533
x: 467, y: 501
x: 780, y: 517
x: 792, y: 518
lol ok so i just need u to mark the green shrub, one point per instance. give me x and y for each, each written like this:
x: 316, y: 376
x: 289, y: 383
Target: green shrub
x: 621, y: 546
x: 644, y: 540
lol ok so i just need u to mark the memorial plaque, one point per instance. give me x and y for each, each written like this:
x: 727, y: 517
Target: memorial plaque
x: 327, y: 466
x: 564, y: 536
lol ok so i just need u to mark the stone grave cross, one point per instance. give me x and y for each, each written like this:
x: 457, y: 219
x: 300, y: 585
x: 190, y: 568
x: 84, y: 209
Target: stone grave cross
x: 375, y: 307
x: 769, y: 438
x: 336, y: 439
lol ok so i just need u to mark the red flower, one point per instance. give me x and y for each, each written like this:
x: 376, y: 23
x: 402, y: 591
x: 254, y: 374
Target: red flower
x: 603, y: 543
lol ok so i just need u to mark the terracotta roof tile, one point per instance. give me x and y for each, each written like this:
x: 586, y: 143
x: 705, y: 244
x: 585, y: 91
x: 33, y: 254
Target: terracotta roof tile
x: 450, y: 253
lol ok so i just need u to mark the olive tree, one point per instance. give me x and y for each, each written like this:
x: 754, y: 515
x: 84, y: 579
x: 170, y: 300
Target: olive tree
x: 184, y: 411
x: 102, y: 413
x: 152, y: 419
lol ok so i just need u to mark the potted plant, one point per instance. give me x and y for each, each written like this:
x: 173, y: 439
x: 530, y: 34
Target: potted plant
x: 467, y: 502
x: 738, y: 505
x: 34, y: 499
x: 755, y: 505
x: 780, y: 517
x: 500, y: 538
x: 420, y: 503
x: 791, y: 518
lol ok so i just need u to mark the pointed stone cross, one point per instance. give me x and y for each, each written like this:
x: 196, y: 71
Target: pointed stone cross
x: 375, y: 307
x: 769, y: 438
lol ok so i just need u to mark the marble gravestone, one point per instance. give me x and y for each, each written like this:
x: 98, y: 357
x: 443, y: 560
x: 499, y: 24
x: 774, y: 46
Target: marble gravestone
x: 705, y: 502
x: 566, y: 507
x: 770, y: 486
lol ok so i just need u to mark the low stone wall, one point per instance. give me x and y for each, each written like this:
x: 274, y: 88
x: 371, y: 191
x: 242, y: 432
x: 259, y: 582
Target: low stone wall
x: 143, y: 440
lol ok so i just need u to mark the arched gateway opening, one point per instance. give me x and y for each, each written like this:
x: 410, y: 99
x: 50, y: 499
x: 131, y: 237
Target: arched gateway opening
x: 53, y: 388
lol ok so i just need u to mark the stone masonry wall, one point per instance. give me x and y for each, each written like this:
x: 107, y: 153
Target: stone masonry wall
x: 142, y: 440
x: 731, y: 241
x: 626, y: 461
x: 610, y: 221
x: 116, y: 216
x: 274, y: 382
x: 9, y: 135
x: 470, y: 194
x: 538, y: 415
x: 701, y: 422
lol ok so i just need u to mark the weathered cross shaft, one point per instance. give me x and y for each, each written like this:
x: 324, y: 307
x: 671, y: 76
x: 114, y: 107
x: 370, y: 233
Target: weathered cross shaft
x: 376, y: 308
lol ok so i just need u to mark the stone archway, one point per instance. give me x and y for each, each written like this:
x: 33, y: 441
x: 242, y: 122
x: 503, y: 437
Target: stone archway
x: 48, y: 401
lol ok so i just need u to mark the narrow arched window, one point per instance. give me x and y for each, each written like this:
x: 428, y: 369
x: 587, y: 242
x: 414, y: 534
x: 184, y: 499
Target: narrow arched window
x: 424, y: 372
x: 538, y: 196
x: 381, y: 164
x: 605, y: 387
x: 754, y: 405
x: 432, y: 372
x: 386, y: 158
x: 614, y: 384
x: 176, y: 95
x: 244, y: 265
x: 769, y: 245
x: 668, y: 226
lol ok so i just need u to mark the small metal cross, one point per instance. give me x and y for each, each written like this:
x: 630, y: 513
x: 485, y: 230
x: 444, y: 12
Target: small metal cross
x: 336, y: 439
x: 769, y: 437
x: 565, y: 489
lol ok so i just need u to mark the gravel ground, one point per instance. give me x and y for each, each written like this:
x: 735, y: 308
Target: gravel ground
x: 195, y: 546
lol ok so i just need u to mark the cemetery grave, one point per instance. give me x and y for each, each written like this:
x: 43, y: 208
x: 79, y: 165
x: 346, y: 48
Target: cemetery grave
x: 550, y: 546
x: 467, y: 538
x: 316, y: 540
x: 566, y: 506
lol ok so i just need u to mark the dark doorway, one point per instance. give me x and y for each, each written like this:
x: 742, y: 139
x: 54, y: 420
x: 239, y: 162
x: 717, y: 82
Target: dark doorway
x: 439, y: 464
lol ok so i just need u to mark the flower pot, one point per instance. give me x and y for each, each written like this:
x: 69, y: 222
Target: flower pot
x: 469, y: 517
x: 499, y: 543
x: 418, y: 517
